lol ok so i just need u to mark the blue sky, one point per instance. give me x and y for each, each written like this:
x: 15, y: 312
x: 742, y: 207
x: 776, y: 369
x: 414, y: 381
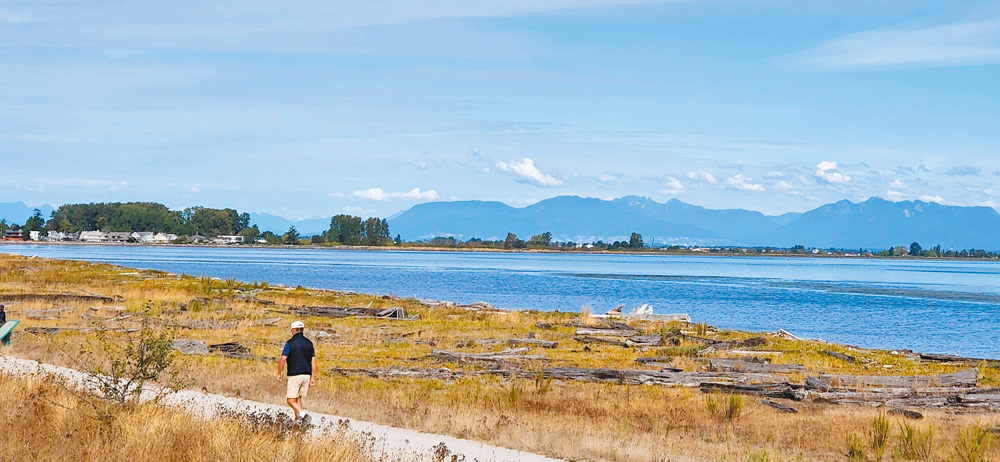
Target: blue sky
x: 317, y: 108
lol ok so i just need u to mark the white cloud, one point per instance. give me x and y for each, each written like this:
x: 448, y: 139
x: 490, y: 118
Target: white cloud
x: 957, y: 44
x: 743, y: 183
x: 938, y: 199
x: 964, y: 170
x: 526, y: 172
x: 672, y: 186
x: 826, y: 172
x: 377, y: 194
x: 701, y: 176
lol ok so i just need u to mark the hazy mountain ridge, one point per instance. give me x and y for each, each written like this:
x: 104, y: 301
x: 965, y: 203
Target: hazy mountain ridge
x: 874, y: 223
x: 18, y: 212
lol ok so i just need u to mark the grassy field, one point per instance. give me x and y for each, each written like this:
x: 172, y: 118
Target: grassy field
x: 567, y: 419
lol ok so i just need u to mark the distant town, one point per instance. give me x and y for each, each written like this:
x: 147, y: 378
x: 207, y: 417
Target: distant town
x: 154, y: 224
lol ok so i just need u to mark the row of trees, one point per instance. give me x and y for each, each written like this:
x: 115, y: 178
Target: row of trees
x: 350, y: 230
x: 145, y: 217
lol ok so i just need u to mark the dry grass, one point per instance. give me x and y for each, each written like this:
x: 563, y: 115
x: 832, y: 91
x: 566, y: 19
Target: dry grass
x: 44, y: 423
x: 582, y: 421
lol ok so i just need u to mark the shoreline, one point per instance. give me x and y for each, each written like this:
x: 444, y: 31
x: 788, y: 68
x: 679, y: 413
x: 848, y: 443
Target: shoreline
x: 662, y: 253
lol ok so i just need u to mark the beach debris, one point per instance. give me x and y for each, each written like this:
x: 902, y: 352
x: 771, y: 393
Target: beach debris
x: 642, y: 310
x: 641, y: 341
x: 841, y: 356
x: 914, y: 415
x: 435, y: 303
x: 743, y: 365
x: 617, y: 311
x: 620, y: 330
x: 666, y: 362
x: 396, y: 313
x: 785, y: 334
x: 509, y: 355
x: 957, y: 359
x: 190, y: 347
x: 56, y: 298
x: 50, y: 314
x: 816, y: 383
x: 779, y: 406
x: 544, y: 325
x: 770, y: 390
x: 231, y: 349
x: 962, y: 379
x: 532, y: 342
x: 592, y: 339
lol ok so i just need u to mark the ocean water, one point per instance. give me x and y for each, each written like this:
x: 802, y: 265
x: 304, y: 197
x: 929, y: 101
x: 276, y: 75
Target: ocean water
x: 938, y: 306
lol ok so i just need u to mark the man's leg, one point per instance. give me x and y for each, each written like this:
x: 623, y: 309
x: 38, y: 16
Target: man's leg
x: 296, y: 404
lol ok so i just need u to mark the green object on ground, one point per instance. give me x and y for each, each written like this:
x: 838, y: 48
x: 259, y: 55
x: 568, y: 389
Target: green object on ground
x: 7, y: 329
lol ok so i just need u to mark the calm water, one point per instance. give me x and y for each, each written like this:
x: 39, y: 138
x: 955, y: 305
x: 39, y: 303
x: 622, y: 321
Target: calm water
x: 929, y: 306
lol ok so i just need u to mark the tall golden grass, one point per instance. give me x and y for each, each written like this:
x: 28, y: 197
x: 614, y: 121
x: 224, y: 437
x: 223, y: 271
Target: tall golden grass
x: 41, y: 422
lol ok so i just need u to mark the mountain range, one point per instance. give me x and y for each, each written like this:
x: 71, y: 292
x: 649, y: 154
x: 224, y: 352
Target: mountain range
x: 873, y: 224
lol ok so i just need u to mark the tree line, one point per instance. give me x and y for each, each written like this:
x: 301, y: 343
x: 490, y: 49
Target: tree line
x: 203, y: 221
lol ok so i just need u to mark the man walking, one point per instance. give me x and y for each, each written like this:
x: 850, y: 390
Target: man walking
x: 301, y: 359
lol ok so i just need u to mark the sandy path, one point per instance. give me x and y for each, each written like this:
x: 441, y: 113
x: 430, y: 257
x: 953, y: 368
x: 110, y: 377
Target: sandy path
x: 397, y: 443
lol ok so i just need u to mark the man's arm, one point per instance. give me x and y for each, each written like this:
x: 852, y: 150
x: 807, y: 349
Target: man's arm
x: 312, y: 376
x: 281, y: 366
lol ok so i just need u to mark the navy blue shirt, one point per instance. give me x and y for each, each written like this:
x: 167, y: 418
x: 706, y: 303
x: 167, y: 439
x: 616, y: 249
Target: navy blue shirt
x: 300, y: 353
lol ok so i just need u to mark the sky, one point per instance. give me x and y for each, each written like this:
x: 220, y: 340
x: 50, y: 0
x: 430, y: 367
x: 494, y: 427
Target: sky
x: 306, y: 109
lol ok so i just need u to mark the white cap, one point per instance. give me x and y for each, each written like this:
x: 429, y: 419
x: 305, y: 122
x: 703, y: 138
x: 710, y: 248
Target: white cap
x: 298, y: 325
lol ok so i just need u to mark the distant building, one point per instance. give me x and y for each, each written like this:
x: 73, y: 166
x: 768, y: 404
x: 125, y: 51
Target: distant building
x: 228, y: 240
x: 62, y: 236
x: 35, y: 235
x: 163, y: 238
x: 93, y: 236
x: 117, y: 236
x: 197, y: 239
x: 142, y: 236
x: 13, y: 235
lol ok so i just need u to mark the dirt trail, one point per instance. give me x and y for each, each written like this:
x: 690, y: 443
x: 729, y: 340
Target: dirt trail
x: 397, y: 443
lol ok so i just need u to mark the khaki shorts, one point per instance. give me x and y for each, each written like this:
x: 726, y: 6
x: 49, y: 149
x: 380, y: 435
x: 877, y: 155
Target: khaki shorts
x: 298, y: 386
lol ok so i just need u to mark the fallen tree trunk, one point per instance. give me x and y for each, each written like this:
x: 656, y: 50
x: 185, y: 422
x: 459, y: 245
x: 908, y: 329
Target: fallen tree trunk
x: 965, y: 379
x: 606, y: 332
x: 773, y: 390
x: 532, y: 342
x: 54, y: 298
x: 609, y: 341
x: 738, y: 365
x: 514, y: 354
x: 841, y: 356
x: 956, y: 359
x: 779, y: 406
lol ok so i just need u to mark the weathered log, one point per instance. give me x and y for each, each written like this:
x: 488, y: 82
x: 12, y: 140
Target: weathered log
x: 841, y: 356
x: 532, y: 342
x: 772, y: 390
x: 54, y: 298
x: 514, y: 354
x: 779, y: 406
x: 606, y: 332
x: 965, y: 378
x: 914, y: 415
x: 956, y: 359
x: 644, y: 341
x: 190, y: 347
x: 609, y: 341
x: 736, y: 365
x: 816, y: 383
x: 229, y: 347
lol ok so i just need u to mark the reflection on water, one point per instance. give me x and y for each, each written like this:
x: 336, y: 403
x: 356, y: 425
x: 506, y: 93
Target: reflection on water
x: 933, y: 306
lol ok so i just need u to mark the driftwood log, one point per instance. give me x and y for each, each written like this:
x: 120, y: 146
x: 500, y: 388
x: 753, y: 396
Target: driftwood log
x: 592, y: 339
x: 779, y: 406
x: 608, y: 332
x: 532, y: 342
x: 740, y: 365
x: 841, y: 356
x: 965, y: 379
x: 770, y: 390
x: 54, y: 298
x: 509, y: 355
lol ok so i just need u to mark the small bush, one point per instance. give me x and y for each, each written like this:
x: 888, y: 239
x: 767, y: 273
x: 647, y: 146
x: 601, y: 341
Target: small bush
x: 855, y: 449
x: 725, y: 407
x: 878, y: 436
x: 915, y: 443
x: 759, y: 456
x: 973, y: 444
